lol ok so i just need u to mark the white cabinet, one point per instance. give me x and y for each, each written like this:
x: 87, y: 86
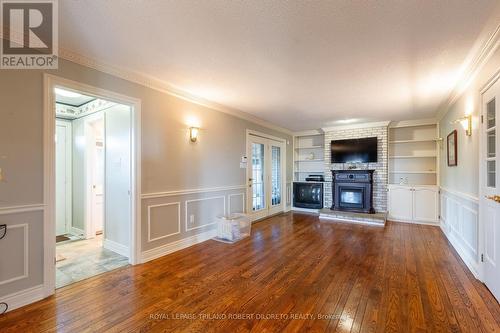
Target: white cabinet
x: 418, y: 204
x: 400, y: 203
x: 425, y: 204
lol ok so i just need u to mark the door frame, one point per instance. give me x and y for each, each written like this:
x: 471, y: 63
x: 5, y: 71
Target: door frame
x: 49, y: 83
x: 282, y: 141
x: 482, y: 173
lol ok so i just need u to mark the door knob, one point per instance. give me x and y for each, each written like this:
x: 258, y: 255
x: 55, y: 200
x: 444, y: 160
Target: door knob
x: 495, y: 198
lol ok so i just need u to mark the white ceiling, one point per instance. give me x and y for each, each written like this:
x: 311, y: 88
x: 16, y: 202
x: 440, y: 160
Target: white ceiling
x: 72, y: 99
x: 298, y: 64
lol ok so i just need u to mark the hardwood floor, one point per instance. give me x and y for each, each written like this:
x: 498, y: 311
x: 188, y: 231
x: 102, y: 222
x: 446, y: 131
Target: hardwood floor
x: 294, y: 274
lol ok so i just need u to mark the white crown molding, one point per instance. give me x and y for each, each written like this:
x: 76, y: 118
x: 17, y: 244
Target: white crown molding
x: 479, y: 59
x: 412, y: 123
x: 162, y: 86
x: 355, y: 126
x: 308, y: 132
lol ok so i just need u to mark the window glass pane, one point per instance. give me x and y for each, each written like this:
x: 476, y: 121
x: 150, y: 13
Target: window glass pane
x: 258, y: 198
x: 276, y: 176
x: 491, y: 174
x: 490, y: 114
x: 491, y: 139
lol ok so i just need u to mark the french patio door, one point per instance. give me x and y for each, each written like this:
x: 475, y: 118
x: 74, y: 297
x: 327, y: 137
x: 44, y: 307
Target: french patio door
x: 265, y: 172
x: 490, y: 187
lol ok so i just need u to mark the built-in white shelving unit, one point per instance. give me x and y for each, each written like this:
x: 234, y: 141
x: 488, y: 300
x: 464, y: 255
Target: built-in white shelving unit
x: 413, y: 153
x: 309, y: 153
x: 413, y: 172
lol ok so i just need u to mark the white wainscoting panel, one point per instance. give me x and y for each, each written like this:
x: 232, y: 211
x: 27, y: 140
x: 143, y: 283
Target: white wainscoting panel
x: 204, y: 211
x: 163, y: 212
x: 15, y: 241
x: 162, y: 222
x: 460, y: 223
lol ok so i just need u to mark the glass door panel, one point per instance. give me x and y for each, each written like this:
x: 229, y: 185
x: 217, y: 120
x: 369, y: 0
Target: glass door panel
x: 258, y: 185
x: 275, y: 176
x: 491, y: 139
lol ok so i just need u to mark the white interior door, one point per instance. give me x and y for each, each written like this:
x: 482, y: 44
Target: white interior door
x: 490, y: 188
x: 63, y: 177
x: 94, y: 171
x: 265, y: 172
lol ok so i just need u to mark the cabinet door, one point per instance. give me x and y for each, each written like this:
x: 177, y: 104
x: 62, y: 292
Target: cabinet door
x: 400, y: 203
x: 425, y: 204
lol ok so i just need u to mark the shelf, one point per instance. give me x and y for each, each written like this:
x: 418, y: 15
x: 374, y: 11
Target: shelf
x: 412, y: 141
x: 413, y: 172
x: 310, y: 147
x: 315, y: 160
x: 409, y: 156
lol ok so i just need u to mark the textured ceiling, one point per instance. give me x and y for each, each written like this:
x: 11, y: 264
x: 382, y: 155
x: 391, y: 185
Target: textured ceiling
x: 298, y: 64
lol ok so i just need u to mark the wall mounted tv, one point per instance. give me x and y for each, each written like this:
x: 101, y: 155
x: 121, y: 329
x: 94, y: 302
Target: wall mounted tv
x: 354, y: 150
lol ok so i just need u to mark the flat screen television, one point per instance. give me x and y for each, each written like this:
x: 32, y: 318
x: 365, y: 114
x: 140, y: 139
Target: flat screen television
x: 354, y: 150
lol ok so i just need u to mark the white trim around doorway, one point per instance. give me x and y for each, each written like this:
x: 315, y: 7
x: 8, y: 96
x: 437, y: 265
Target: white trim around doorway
x: 49, y: 83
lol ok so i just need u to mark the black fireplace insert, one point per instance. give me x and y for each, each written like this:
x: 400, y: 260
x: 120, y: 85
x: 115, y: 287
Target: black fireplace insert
x: 352, y: 190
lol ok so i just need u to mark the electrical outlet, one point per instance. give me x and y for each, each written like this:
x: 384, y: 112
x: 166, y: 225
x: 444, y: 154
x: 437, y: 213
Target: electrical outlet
x: 191, y: 219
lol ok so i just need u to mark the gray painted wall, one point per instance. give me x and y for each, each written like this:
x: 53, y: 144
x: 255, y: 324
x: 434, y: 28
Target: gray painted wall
x: 169, y: 160
x: 464, y: 178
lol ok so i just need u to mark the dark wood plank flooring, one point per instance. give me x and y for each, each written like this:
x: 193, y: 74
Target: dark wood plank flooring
x: 294, y: 274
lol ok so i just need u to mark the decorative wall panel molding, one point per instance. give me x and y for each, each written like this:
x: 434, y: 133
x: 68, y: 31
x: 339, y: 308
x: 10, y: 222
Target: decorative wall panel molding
x: 191, y: 191
x: 205, y: 215
x: 21, y: 243
x: 178, y: 218
x: 242, y: 195
x: 21, y: 209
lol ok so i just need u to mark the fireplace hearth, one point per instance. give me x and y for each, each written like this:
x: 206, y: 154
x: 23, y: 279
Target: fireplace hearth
x: 353, y: 191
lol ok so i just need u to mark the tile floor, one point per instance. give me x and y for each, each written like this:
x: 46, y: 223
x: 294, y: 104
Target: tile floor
x: 83, y: 259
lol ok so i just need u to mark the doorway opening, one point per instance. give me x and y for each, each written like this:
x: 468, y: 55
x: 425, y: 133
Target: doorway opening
x: 93, y: 184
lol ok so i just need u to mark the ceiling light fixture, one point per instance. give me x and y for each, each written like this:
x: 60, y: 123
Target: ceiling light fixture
x: 346, y: 121
x: 67, y: 93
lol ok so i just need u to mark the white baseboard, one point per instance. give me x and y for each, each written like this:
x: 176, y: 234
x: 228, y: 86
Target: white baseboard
x: 76, y: 232
x: 177, y: 245
x: 23, y: 297
x: 116, y: 247
x: 435, y: 224
x: 469, y: 262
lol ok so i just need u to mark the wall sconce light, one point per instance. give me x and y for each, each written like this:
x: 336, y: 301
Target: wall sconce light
x: 466, y: 122
x: 193, y: 133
